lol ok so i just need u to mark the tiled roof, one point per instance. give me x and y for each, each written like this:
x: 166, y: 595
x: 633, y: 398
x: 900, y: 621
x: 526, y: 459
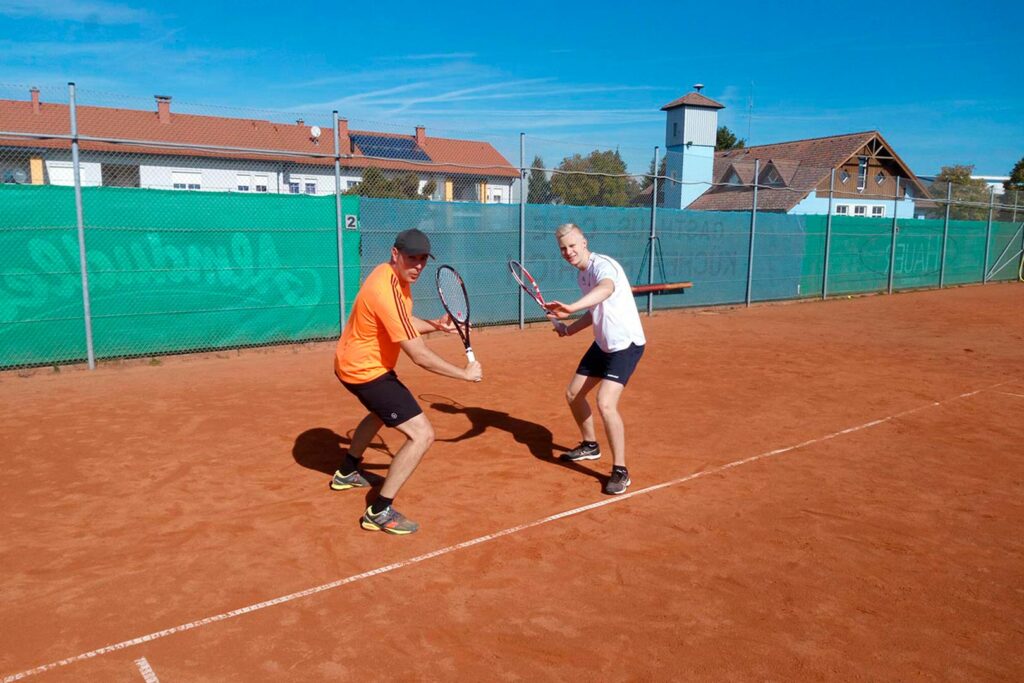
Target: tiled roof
x: 693, y: 99
x: 449, y: 156
x: 803, y: 165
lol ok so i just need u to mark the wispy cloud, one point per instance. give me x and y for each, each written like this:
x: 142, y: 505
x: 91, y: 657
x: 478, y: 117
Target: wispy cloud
x: 438, y: 56
x: 90, y: 11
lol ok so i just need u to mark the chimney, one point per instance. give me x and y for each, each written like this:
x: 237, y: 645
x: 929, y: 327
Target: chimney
x: 344, y: 142
x: 421, y: 135
x: 34, y: 91
x: 299, y: 122
x: 163, y: 108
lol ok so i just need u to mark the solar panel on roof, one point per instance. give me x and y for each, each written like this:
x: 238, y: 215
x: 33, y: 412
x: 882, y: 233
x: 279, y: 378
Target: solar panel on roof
x: 389, y: 148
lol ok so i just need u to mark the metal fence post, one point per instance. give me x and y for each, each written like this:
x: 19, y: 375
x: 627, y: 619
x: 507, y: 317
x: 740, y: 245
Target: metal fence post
x: 522, y: 221
x: 753, y: 227
x: 828, y: 232
x: 339, y: 224
x: 80, y: 223
x: 1015, y: 197
x: 988, y: 232
x: 945, y: 235
x: 654, y: 232
x: 895, y: 229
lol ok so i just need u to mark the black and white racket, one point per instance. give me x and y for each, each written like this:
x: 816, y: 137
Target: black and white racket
x: 452, y: 291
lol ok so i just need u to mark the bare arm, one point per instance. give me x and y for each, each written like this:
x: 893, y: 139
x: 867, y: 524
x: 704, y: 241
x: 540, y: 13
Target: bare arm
x: 422, y: 356
x: 604, y: 289
x: 442, y: 324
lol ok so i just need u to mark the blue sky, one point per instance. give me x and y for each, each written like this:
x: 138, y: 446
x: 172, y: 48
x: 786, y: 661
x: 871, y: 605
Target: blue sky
x: 943, y: 81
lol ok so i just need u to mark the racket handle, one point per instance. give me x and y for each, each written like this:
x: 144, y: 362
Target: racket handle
x: 469, y: 355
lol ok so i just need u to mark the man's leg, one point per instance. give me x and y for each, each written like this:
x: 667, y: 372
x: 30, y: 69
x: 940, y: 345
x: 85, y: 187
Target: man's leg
x: 608, y: 405
x: 348, y: 475
x: 363, y: 435
x: 576, y: 396
x: 420, y: 436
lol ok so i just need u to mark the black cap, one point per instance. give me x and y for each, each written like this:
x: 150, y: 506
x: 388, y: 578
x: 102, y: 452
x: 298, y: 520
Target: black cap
x: 413, y: 242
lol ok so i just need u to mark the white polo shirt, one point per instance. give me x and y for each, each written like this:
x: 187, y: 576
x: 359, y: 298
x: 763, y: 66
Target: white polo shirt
x: 616, y: 319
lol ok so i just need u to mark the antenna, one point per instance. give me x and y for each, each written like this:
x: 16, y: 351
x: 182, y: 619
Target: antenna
x: 750, y: 110
x: 698, y: 86
x: 314, y: 132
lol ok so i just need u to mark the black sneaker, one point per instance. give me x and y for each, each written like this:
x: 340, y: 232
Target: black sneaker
x: 581, y: 452
x: 617, y: 483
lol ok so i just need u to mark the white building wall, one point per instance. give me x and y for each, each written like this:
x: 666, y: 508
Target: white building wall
x: 701, y: 127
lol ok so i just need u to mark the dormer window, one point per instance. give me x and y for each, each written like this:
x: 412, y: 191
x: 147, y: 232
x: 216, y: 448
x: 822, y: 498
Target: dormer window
x: 771, y: 177
x: 733, y: 179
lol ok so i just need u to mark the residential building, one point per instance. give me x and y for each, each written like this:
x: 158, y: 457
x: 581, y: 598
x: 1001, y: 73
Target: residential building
x: 161, y: 149
x: 867, y: 178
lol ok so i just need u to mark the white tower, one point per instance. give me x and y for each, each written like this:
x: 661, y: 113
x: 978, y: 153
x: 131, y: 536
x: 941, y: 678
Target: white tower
x: 691, y: 129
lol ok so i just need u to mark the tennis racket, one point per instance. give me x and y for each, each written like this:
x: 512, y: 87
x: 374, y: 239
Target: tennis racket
x: 452, y: 291
x: 529, y: 285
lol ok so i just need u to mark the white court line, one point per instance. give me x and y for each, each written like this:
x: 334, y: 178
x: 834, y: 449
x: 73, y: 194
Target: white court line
x: 1008, y: 393
x: 146, y: 670
x: 466, y: 544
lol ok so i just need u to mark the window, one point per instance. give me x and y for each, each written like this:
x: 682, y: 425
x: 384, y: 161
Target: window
x: 862, y: 173
x: 261, y: 183
x: 733, y: 179
x: 243, y: 182
x: 844, y: 177
x: 675, y: 130
x: 293, y: 188
x: 878, y: 212
x: 186, y: 180
x: 349, y: 184
x: 772, y: 177
x: 880, y: 178
x: 842, y: 209
x: 310, y: 188
x: 860, y: 210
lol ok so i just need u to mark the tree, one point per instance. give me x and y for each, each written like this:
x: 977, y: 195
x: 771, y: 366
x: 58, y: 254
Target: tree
x: 965, y: 189
x: 598, y: 179
x: 726, y: 139
x: 648, y: 179
x: 1016, y: 181
x: 404, y: 186
x: 540, y: 186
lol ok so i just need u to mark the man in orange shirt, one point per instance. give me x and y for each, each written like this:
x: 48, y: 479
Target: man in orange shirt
x: 382, y: 324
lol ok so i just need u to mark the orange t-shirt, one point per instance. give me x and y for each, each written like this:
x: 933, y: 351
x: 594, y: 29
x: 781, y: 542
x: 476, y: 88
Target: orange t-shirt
x: 381, y: 318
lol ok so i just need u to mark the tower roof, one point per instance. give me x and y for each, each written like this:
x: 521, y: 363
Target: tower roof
x: 693, y: 99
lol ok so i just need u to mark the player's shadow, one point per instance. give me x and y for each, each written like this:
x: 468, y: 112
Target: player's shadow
x: 323, y: 449
x: 537, y: 438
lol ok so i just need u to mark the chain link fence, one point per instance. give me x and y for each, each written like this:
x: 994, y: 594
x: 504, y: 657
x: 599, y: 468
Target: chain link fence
x: 136, y: 227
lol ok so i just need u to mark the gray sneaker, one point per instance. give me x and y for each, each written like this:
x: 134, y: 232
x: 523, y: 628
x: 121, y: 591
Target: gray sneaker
x: 617, y: 483
x: 581, y: 452
x: 390, y: 521
x: 356, y: 480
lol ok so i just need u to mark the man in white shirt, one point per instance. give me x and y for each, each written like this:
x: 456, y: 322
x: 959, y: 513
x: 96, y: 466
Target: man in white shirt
x: 618, y: 345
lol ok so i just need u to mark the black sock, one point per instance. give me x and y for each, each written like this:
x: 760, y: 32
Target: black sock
x: 621, y: 469
x: 590, y: 444
x: 349, y: 465
x: 380, y: 505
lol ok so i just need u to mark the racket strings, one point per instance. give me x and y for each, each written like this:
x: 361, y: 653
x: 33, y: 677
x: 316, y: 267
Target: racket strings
x: 453, y: 295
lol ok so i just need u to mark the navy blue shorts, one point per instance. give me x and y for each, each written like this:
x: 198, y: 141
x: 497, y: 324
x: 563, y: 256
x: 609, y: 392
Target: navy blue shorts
x: 387, y: 398
x: 616, y: 365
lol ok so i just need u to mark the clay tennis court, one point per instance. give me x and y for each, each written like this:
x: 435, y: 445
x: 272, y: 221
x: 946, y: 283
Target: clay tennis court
x: 821, y: 491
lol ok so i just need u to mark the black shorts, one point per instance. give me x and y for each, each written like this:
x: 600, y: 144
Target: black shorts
x: 615, y: 365
x: 387, y: 398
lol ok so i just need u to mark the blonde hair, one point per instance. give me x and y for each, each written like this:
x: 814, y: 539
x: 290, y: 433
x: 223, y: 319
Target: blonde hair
x: 566, y: 228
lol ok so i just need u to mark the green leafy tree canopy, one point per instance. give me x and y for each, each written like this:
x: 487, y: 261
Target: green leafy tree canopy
x: 539, y: 185
x: 726, y: 139
x: 598, y: 179
x: 404, y: 186
x: 1016, y: 180
x: 965, y: 189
